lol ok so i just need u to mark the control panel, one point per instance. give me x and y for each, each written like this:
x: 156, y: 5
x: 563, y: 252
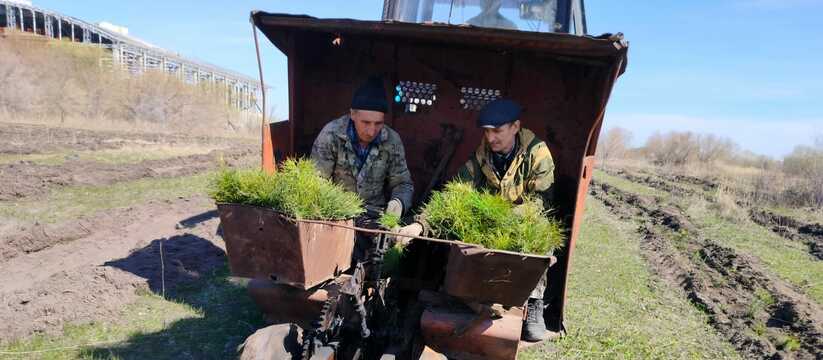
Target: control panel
x: 475, y: 98
x: 415, y: 96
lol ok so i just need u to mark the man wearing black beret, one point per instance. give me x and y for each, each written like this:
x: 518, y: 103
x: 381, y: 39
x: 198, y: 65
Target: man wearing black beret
x: 363, y: 155
x: 510, y: 161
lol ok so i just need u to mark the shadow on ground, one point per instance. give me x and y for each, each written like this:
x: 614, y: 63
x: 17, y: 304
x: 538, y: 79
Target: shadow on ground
x: 194, y: 273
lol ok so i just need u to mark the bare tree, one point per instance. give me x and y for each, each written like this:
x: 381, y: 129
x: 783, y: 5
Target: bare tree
x: 65, y: 81
x: 712, y: 148
x: 674, y: 148
x: 614, y: 145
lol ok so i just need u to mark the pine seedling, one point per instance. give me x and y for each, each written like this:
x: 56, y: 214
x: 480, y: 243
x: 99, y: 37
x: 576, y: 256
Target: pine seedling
x: 296, y: 190
x: 460, y: 212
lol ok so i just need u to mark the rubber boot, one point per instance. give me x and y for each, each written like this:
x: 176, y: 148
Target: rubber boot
x: 534, y: 327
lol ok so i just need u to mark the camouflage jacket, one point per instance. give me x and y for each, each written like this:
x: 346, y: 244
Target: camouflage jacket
x: 530, y: 172
x: 384, y: 175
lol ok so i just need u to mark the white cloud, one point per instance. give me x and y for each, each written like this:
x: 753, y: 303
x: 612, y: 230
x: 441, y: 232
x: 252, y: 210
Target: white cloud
x: 769, y: 137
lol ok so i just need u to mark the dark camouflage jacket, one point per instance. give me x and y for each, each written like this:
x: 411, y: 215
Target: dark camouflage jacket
x: 384, y: 175
x: 531, y: 171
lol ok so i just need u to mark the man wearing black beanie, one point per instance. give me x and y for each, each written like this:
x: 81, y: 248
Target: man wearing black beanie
x: 363, y: 155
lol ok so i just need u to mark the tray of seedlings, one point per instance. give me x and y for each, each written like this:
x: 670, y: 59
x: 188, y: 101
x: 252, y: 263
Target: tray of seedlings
x: 261, y: 219
x: 503, y: 249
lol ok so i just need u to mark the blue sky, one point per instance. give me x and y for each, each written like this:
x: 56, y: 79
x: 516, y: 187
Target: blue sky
x: 745, y: 69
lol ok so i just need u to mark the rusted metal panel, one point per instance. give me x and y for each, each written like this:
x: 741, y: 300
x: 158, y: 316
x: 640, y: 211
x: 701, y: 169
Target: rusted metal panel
x: 476, y: 274
x: 460, y: 334
x: 264, y: 244
x: 280, y: 133
x: 439, y: 33
x: 286, y: 304
x: 562, y: 81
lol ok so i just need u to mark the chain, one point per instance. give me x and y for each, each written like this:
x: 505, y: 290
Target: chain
x: 309, y: 335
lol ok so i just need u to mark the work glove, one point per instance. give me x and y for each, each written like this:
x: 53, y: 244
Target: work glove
x: 395, y: 207
x: 413, y: 229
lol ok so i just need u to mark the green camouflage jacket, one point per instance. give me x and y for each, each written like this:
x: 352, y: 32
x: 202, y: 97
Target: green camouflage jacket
x: 531, y: 171
x: 384, y: 175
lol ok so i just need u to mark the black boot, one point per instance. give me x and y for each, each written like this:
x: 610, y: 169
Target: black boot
x: 534, y: 328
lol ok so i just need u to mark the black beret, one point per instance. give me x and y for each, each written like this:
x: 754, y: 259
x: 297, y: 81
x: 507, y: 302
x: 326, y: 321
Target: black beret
x: 370, y: 96
x: 498, y: 112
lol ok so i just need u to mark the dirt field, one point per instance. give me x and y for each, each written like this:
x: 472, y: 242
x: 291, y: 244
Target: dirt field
x: 109, y: 249
x: 761, y: 293
x: 84, y: 266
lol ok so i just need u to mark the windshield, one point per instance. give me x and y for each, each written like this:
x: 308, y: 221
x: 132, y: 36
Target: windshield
x: 523, y: 15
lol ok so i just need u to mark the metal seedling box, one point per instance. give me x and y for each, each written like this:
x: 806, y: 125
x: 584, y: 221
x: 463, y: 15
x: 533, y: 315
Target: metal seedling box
x: 264, y: 244
x: 477, y: 274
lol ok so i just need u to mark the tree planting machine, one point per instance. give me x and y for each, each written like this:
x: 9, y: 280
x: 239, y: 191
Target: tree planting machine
x: 447, y: 299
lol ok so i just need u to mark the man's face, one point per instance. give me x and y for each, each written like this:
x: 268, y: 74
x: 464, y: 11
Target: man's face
x: 367, y: 124
x: 501, y: 139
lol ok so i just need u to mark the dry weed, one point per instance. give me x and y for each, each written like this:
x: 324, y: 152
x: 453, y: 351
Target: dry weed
x: 59, y: 83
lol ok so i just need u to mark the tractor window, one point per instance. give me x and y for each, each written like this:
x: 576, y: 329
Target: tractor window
x: 523, y: 15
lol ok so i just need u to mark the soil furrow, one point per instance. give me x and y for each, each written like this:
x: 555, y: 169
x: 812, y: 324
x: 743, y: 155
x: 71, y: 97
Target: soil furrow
x: 792, y: 229
x: 761, y: 315
x: 27, y: 180
x: 785, y: 226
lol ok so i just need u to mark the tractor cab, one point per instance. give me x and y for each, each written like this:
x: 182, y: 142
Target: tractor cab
x: 441, y: 62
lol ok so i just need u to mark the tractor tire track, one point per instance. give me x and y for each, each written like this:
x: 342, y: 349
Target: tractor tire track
x: 787, y: 227
x: 756, y: 312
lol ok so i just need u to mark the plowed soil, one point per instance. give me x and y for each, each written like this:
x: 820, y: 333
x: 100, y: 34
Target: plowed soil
x: 786, y: 226
x: 754, y: 310
x: 25, y: 179
x: 89, y: 268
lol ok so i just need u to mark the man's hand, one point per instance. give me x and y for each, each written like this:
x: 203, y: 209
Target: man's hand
x: 395, y: 207
x: 414, y: 229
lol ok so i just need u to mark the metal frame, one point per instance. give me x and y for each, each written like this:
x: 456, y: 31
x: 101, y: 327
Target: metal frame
x: 571, y: 13
x: 135, y: 56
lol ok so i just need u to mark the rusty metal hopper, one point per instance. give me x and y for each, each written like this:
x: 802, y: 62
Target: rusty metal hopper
x: 263, y: 244
x: 477, y: 274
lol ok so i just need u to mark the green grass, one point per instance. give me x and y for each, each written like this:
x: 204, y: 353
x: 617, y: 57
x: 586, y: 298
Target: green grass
x: 790, y: 343
x: 462, y: 213
x: 787, y: 259
x: 617, y: 310
x: 628, y: 185
x: 296, y: 189
x: 807, y: 215
x: 72, y: 202
x: 125, y: 155
x: 207, y: 319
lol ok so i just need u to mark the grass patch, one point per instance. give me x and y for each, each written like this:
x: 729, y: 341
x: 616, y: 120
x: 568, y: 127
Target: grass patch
x: 628, y: 185
x: 762, y: 300
x: 72, y: 202
x: 804, y: 215
x: 790, y: 343
x: 124, y: 155
x: 206, y: 320
x: 296, y: 189
x: 617, y: 310
x: 462, y: 213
